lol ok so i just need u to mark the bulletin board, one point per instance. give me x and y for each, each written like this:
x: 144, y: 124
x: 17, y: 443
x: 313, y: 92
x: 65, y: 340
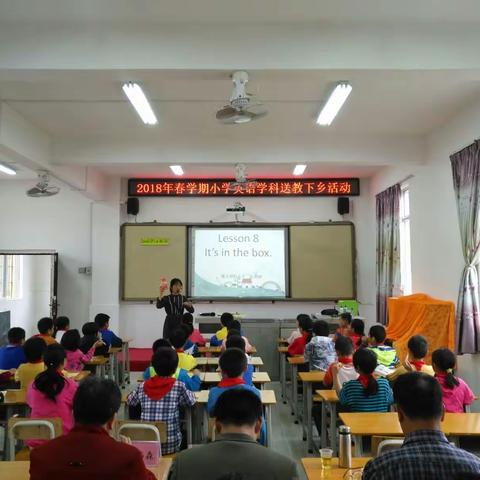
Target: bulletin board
x: 321, y: 259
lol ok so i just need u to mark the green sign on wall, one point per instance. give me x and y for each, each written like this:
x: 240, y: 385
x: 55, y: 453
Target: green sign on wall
x: 154, y: 242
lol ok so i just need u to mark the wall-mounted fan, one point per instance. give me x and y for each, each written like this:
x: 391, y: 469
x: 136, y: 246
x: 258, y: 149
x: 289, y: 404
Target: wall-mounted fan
x: 241, y: 178
x: 43, y: 188
x: 243, y: 106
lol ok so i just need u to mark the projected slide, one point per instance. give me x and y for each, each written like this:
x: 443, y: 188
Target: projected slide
x: 238, y: 262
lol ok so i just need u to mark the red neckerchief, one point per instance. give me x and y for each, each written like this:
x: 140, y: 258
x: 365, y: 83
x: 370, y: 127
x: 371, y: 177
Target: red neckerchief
x: 230, y: 382
x: 157, y: 387
x: 364, y: 379
x: 345, y: 360
x: 418, y: 364
x: 179, y: 350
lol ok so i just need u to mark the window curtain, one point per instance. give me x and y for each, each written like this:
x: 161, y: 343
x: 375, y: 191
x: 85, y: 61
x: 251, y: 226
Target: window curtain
x: 466, y: 183
x: 388, y: 248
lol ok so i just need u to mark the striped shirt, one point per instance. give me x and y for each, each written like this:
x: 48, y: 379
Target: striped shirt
x: 424, y: 455
x: 353, y: 396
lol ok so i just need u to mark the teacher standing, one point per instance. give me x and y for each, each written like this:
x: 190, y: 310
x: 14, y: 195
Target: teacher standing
x: 174, y: 304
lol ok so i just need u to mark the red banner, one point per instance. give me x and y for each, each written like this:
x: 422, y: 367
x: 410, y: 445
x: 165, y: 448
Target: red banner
x: 319, y: 187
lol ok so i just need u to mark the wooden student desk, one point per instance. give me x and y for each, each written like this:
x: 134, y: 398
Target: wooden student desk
x: 99, y: 361
x: 308, y: 379
x: 20, y: 470
x: 329, y: 400
x: 259, y: 378
x: 218, y: 350
x: 387, y: 424
x: 313, y: 468
x: 282, y: 354
x: 294, y: 363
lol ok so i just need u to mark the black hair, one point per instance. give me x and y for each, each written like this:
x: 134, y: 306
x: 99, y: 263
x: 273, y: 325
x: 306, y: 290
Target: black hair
x: 445, y: 360
x: 178, y: 338
x: 187, y: 317
x: 358, y: 327
x: 302, y: 315
x: 320, y: 328
x: 187, y: 328
x: 175, y: 281
x: 101, y: 319
x: 365, y: 361
x: 234, y: 325
x: 51, y: 381
x: 226, y: 318
x: 238, y: 407
x: 34, y: 349
x: 161, y: 342
x: 235, y: 341
x: 347, y: 316
x: 233, y: 362
x: 44, y: 325
x: 419, y: 396
x: 96, y: 401
x: 60, y: 323
x: 16, y: 335
x: 306, y: 324
x: 165, y: 361
x: 233, y: 333
x: 418, y: 345
x: 71, y: 340
x: 344, y: 346
x: 90, y: 328
x: 378, y: 333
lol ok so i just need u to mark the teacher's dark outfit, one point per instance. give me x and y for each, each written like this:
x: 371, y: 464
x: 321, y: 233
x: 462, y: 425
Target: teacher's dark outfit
x: 174, y: 306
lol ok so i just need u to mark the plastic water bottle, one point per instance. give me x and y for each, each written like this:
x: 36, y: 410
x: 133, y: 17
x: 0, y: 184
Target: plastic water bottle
x: 345, y: 447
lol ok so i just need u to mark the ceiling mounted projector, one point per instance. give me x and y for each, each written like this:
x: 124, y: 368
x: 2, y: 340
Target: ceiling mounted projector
x: 243, y: 106
x: 42, y: 188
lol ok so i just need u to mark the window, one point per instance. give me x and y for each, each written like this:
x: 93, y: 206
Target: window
x: 405, y: 259
x: 10, y: 268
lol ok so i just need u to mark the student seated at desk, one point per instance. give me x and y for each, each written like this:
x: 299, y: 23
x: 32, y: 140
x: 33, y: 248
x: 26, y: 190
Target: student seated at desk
x: 217, y: 339
x: 196, y: 336
x: 60, y: 326
x: 320, y: 350
x: 346, y: 370
x: 108, y: 337
x: 45, y: 329
x: 192, y: 382
x: 417, y: 351
x: 366, y: 394
x: 456, y: 393
x: 178, y: 338
x: 76, y: 359
x: 34, y: 348
x: 357, y: 333
x: 88, y: 452
x: 237, y: 329
x: 236, y: 341
x: 298, y: 345
x: 344, y: 321
x: 12, y: 354
x: 51, y: 394
x: 91, y: 334
x: 426, y: 452
x: 189, y: 348
x: 386, y: 356
x: 235, y: 453
x: 296, y: 333
x: 162, y: 396
x: 233, y: 365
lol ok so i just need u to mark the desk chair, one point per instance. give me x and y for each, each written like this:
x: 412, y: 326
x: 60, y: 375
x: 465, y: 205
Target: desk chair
x: 382, y: 445
x: 20, y: 428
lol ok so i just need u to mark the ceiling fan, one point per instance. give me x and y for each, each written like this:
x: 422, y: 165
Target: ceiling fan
x: 42, y: 188
x: 241, y: 178
x: 243, y: 106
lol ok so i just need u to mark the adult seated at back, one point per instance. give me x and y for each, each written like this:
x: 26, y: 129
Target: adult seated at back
x: 426, y: 453
x: 88, y: 451
x: 235, y: 452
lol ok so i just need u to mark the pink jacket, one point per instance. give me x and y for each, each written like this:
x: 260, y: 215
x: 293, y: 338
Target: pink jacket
x: 76, y: 360
x: 248, y: 347
x: 196, y: 337
x: 43, y: 407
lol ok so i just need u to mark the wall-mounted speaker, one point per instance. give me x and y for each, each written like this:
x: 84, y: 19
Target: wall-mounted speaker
x: 343, y: 205
x: 133, y: 206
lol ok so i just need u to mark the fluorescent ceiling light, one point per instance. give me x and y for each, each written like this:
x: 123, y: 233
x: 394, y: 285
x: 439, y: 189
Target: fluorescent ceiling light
x: 176, y: 169
x: 7, y: 170
x: 139, y: 101
x: 299, y: 169
x: 334, y: 103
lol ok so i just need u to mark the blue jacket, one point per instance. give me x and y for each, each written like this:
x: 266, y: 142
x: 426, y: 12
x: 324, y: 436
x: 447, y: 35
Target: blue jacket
x: 11, y: 356
x: 215, y: 392
x: 190, y: 347
x: 248, y: 375
x: 191, y: 382
x: 110, y: 338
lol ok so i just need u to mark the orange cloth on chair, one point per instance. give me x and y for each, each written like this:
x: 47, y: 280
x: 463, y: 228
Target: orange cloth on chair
x: 420, y: 314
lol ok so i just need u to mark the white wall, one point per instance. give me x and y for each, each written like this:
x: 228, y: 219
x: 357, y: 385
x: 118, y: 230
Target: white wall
x: 61, y: 223
x: 144, y: 322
